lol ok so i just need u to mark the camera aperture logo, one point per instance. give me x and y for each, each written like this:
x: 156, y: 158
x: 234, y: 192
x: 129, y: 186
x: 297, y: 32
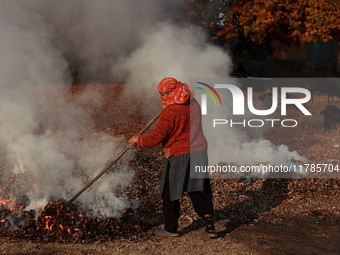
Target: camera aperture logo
x: 238, y: 99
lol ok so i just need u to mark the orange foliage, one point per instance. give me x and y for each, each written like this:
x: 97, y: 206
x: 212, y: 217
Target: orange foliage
x: 289, y: 21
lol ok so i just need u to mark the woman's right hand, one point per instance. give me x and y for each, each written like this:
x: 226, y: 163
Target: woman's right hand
x: 133, y: 140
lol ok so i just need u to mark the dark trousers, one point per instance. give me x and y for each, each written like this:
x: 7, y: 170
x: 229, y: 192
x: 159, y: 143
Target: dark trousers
x: 202, y: 202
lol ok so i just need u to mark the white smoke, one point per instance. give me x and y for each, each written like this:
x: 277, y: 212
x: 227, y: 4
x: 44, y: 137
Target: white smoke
x: 48, y: 145
x: 173, y: 51
x: 94, y: 35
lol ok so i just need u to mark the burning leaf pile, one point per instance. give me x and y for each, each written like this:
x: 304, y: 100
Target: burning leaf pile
x: 61, y: 222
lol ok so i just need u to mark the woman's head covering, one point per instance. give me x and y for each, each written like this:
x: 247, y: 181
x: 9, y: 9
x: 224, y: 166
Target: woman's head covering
x: 180, y: 92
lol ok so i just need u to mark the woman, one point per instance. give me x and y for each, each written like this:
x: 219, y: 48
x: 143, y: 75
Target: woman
x: 179, y: 129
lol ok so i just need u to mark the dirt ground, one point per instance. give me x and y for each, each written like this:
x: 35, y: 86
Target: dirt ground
x: 273, y: 216
x: 293, y: 236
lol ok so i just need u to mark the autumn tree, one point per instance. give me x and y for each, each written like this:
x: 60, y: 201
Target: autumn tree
x: 254, y: 22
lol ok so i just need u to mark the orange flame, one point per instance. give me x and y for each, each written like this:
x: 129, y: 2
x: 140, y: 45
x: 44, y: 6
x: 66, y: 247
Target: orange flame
x: 49, y: 228
x: 5, y: 201
x: 67, y: 229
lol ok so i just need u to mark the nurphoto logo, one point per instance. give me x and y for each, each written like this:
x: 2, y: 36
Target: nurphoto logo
x: 239, y: 101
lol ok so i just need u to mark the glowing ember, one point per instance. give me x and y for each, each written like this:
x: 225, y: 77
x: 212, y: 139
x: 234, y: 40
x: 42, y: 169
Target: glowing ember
x: 5, y: 202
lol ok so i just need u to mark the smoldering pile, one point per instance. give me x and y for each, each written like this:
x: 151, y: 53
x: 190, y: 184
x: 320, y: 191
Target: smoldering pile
x: 61, y: 222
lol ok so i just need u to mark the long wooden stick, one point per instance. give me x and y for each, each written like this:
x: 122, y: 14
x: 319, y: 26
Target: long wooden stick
x: 113, y: 161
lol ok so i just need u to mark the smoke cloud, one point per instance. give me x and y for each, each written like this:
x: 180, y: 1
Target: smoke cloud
x: 173, y: 51
x: 49, y: 147
x: 93, y: 36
